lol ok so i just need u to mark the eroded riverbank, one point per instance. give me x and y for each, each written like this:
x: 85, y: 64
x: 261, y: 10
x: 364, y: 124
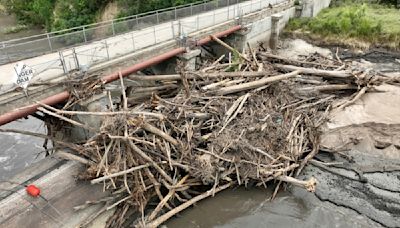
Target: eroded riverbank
x: 358, y: 168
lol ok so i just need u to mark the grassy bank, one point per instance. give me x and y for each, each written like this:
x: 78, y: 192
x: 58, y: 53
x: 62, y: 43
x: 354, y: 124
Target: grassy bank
x: 353, y: 25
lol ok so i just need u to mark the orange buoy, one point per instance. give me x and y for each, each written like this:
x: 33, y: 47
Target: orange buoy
x: 32, y: 190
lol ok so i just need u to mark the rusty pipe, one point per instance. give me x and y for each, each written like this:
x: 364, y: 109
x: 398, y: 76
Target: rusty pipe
x: 63, y: 96
x: 142, y: 65
x: 219, y: 35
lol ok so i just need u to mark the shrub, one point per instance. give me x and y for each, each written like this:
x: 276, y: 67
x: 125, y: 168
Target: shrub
x: 14, y: 29
x: 348, y: 21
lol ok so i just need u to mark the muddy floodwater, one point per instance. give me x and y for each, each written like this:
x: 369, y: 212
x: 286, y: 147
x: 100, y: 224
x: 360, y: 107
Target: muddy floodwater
x: 18, y: 151
x: 252, y: 208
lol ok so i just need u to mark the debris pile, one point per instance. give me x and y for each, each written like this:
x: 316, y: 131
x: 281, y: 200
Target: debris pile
x: 250, y: 120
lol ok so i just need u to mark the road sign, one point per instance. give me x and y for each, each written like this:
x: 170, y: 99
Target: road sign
x: 22, y: 74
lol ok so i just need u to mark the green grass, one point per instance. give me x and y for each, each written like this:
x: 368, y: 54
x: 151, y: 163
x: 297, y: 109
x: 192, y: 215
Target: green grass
x: 374, y: 24
x: 389, y: 17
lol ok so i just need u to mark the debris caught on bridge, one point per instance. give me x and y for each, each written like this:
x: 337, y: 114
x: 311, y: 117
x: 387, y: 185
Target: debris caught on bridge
x: 251, y: 120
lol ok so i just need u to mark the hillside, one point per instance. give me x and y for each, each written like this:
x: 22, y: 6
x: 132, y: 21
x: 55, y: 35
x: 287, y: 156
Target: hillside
x: 60, y: 14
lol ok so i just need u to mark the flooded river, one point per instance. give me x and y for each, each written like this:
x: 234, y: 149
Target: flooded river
x: 252, y: 208
x: 18, y: 151
x: 238, y: 207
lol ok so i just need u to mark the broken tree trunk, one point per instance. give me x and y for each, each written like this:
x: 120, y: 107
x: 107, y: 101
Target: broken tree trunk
x: 317, y: 72
x: 256, y: 84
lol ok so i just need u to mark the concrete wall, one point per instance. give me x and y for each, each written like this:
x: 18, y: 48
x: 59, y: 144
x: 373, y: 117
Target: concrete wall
x: 258, y: 28
x: 261, y: 30
x: 311, y: 8
x: 320, y: 5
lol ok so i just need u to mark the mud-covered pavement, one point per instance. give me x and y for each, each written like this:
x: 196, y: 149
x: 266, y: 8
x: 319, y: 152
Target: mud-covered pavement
x: 368, y: 185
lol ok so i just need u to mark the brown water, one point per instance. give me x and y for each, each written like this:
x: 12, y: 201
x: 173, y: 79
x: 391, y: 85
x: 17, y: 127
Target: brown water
x: 252, y: 208
x: 17, y: 151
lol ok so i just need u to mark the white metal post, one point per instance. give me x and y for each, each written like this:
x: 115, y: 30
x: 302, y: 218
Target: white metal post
x: 108, y: 54
x: 48, y: 39
x: 175, y: 14
x: 84, y: 34
x: 173, y: 29
x: 179, y: 29
x: 113, y: 28
x: 75, y: 58
x: 62, y: 60
x: 154, y: 33
x: 229, y: 8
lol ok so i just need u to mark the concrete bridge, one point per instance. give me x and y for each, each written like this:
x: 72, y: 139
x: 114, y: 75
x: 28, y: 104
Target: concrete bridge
x: 150, y: 48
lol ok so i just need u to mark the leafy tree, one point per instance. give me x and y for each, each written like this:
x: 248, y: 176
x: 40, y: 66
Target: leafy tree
x: 43, y: 11
x: 38, y: 12
x: 62, y: 14
x: 131, y: 7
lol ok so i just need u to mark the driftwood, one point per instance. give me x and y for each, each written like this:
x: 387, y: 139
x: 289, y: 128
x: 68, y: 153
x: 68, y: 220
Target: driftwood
x: 199, y: 75
x: 160, y: 146
x: 357, y: 97
x: 101, y: 179
x: 329, y: 88
x: 256, y: 84
x: 185, y: 205
x: 322, y: 73
x: 293, y: 61
x: 230, y: 48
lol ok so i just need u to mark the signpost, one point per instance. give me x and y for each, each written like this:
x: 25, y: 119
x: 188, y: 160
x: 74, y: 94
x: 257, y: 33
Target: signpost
x: 22, y: 75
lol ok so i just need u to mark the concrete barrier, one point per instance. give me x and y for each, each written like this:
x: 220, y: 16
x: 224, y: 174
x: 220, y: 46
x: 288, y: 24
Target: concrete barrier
x: 311, y: 8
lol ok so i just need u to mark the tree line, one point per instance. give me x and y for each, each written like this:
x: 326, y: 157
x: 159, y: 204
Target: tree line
x: 61, y: 14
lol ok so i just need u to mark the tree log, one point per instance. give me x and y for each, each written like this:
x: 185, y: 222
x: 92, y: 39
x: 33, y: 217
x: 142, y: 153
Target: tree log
x: 193, y: 75
x: 316, y: 72
x: 256, y: 84
x: 264, y: 56
x: 185, y: 205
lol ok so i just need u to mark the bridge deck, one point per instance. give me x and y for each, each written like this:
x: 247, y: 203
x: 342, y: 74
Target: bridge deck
x: 49, y: 81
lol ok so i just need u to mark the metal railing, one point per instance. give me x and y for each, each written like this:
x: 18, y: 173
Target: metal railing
x: 27, y: 47
x: 87, y: 56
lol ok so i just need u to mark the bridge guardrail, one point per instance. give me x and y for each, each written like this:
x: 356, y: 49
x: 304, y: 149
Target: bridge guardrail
x: 27, y: 47
x: 86, y: 56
